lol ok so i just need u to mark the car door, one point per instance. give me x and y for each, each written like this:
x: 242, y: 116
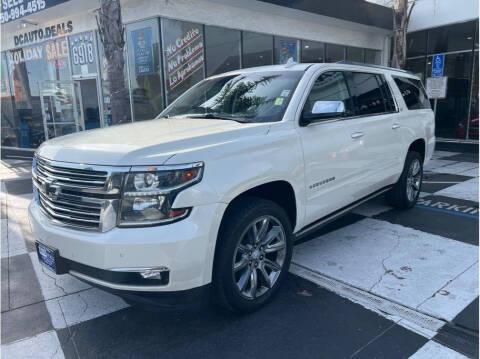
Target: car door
x: 378, y: 123
x: 332, y: 147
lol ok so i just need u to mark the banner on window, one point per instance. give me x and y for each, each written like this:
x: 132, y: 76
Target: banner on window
x: 142, y: 51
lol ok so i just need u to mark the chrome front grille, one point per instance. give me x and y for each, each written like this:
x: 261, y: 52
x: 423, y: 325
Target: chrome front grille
x: 68, y: 176
x: 78, y: 195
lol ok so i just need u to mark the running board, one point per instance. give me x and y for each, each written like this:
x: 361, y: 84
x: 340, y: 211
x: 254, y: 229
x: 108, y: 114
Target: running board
x: 335, y: 215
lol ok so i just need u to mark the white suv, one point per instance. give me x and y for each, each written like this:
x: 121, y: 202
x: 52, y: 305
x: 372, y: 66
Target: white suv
x: 209, y: 197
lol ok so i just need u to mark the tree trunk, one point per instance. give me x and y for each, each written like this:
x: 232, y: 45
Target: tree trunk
x: 401, y: 18
x: 111, y: 31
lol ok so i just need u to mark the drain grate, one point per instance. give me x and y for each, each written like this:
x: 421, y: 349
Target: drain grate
x: 369, y: 300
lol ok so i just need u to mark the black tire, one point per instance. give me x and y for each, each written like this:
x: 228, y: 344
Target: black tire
x: 398, y: 196
x: 233, y: 231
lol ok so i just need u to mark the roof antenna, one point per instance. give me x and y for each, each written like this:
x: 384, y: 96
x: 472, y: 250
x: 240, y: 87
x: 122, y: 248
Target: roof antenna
x: 290, y: 62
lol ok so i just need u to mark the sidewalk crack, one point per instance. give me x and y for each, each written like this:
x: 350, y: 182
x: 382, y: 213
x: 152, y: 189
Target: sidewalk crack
x: 446, y: 284
x: 386, y: 270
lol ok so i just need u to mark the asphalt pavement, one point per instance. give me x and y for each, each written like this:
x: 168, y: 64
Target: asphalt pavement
x: 377, y: 283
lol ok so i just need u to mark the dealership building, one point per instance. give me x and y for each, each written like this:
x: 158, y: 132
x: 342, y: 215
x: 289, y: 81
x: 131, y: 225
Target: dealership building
x: 53, y: 71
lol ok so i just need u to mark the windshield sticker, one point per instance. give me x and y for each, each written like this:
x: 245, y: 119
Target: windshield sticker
x: 278, y: 101
x: 285, y: 93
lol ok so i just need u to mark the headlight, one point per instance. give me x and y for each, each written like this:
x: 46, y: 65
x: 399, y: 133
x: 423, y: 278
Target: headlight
x: 148, y: 194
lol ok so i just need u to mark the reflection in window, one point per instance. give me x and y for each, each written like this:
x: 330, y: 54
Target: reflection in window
x: 145, y: 73
x: 183, y: 56
x: 413, y: 93
x: 355, y: 54
x: 247, y: 97
x: 367, y: 96
x: 313, y: 51
x: 257, y: 49
x: 329, y: 86
x: 473, y: 122
x: 222, y: 49
x: 335, y: 53
x: 285, y: 48
x: 29, y: 69
x: 416, y: 43
x: 451, y: 38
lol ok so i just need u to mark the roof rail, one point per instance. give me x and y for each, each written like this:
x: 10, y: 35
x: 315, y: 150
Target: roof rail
x: 374, y: 66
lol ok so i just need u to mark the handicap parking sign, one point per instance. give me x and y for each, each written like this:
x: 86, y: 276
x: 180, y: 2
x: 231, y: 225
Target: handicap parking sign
x: 437, y: 65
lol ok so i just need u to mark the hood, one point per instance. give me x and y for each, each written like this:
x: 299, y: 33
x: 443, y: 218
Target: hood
x: 145, y: 143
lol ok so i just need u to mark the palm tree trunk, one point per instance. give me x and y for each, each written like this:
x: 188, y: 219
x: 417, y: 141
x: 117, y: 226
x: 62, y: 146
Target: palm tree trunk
x: 111, y: 31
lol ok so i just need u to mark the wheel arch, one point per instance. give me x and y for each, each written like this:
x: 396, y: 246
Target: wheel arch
x: 419, y: 146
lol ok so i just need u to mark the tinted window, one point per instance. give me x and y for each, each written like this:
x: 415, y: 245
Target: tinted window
x: 366, y: 93
x: 355, y: 54
x: 257, y: 49
x: 413, y: 93
x: 312, y: 51
x: 387, y: 94
x: 329, y: 86
x: 335, y: 53
x: 416, y: 43
x: 222, y: 50
x: 183, y: 56
x: 373, y: 57
x: 451, y: 38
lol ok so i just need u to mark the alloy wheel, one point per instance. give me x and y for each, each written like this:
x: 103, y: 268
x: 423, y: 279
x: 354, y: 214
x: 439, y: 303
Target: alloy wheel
x: 259, y: 256
x: 414, y: 180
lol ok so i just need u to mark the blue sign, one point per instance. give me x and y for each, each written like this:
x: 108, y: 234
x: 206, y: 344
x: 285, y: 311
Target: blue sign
x: 142, y: 51
x: 288, y: 49
x: 438, y: 63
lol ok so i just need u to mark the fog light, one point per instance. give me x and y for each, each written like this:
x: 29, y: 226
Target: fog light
x: 153, y: 273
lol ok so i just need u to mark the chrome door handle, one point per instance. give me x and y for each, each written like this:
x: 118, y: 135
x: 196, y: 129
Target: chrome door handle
x: 357, y: 134
x: 395, y: 126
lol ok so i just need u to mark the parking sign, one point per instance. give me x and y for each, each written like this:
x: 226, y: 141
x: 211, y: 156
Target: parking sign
x: 437, y: 65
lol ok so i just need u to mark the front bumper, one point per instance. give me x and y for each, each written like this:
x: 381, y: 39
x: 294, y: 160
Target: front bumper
x: 186, y: 248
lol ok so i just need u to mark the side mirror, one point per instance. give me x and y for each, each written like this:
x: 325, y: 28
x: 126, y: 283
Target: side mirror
x: 322, y: 110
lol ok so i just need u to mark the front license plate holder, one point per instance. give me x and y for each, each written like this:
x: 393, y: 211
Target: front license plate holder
x: 50, y: 258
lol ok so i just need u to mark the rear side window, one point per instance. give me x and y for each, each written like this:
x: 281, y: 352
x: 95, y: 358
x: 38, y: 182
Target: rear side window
x: 412, y: 92
x: 366, y: 93
x: 387, y: 94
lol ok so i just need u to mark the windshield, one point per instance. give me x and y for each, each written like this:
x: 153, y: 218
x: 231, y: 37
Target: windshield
x: 249, y: 97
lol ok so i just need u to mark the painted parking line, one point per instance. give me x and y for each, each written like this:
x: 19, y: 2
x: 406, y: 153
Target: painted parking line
x: 455, y: 213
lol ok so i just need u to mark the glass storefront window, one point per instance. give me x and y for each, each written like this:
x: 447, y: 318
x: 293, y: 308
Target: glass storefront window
x: 417, y: 43
x: 257, y: 49
x: 355, y: 54
x: 83, y: 54
x: 285, y: 48
x: 473, y: 122
x: 183, y: 56
x: 373, y: 57
x: 10, y: 135
x: 335, y: 53
x: 313, y: 51
x: 30, y: 68
x: 417, y: 67
x: 143, y: 43
x: 451, y: 38
x: 222, y: 49
x: 452, y: 111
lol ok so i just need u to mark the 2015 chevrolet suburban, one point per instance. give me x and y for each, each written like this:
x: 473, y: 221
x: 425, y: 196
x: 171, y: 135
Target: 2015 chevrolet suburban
x: 209, y: 197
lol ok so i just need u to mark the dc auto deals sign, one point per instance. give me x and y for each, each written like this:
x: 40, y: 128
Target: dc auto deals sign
x: 16, y: 9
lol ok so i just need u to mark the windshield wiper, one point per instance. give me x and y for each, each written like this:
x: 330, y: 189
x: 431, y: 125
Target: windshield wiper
x: 212, y: 116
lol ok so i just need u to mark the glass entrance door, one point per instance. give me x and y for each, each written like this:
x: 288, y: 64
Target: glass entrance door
x: 87, y: 95
x: 59, y: 108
